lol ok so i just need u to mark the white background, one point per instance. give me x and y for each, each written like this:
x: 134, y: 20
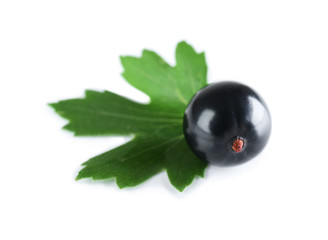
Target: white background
x: 53, y: 50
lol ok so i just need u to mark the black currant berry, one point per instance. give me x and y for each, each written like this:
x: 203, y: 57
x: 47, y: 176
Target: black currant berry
x: 227, y: 123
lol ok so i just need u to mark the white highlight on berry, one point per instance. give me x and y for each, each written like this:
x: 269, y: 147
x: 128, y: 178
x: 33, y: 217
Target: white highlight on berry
x: 204, y: 120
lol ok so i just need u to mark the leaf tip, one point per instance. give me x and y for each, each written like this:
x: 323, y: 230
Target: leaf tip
x: 122, y: 58
x: 184, y: 44
x: 180, y: 188
x: 124, y: 61
x: 52, y: 105
x: 78, y: 177
x: 147, y: 52
x: 179, y: 185
x: 119, y: 184
x: 81, y: 174
x: 202, y: 171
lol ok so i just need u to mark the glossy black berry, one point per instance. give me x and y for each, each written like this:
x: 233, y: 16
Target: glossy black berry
x: 227, y: 123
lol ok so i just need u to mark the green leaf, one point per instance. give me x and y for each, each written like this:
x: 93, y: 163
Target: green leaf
x: 158, y: 142
x: 109, y: 114
x: 170, y: 88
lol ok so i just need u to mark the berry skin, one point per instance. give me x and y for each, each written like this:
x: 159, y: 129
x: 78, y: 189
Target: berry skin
x: 227, y: 123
